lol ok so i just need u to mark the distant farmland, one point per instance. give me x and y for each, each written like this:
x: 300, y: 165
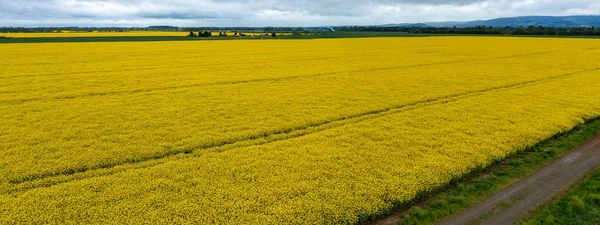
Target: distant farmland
x: 272, y: 131
x: 80, y: 34
x: 96, y: 34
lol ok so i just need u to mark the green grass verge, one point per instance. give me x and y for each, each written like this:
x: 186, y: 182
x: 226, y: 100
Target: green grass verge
x: 462, y: 193
x: 580, y: 205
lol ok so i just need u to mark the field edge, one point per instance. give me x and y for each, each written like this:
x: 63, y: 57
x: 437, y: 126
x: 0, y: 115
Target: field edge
x: 462, y: 192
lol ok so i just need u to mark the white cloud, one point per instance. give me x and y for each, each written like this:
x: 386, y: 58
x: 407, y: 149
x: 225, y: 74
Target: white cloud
x: 273, y: 12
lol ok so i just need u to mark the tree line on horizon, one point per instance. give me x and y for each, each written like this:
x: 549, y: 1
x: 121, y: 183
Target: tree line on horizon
x: 508, y: 30
x: 207, y: 33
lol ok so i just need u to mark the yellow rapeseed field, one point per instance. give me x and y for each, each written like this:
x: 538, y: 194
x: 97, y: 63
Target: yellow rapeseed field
x: 118, y: 34
x: 97, y: 34
x: 271, y: 131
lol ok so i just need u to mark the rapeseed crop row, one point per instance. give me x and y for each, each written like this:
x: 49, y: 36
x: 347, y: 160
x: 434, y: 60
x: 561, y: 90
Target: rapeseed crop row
x: 411, y: 115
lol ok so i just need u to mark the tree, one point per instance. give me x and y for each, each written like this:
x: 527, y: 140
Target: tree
x: 273, y: 34
x: 192, y: 34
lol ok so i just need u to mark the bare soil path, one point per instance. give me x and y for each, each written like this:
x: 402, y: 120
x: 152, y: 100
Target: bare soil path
x: 509, y: 205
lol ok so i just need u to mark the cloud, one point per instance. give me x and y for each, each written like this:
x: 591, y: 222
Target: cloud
x: 273, y: 12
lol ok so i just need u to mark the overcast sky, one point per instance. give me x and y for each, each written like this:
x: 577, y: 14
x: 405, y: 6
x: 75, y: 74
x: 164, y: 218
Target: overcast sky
x: 274, y: 12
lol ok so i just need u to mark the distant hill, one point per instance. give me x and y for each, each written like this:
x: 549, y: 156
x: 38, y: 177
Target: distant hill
x: 405, y: 25
x: 546, y: 21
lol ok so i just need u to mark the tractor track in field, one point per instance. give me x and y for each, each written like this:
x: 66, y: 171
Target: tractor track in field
x: 509, y: 205
x: 275, y: 79
x: 24, y: 182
